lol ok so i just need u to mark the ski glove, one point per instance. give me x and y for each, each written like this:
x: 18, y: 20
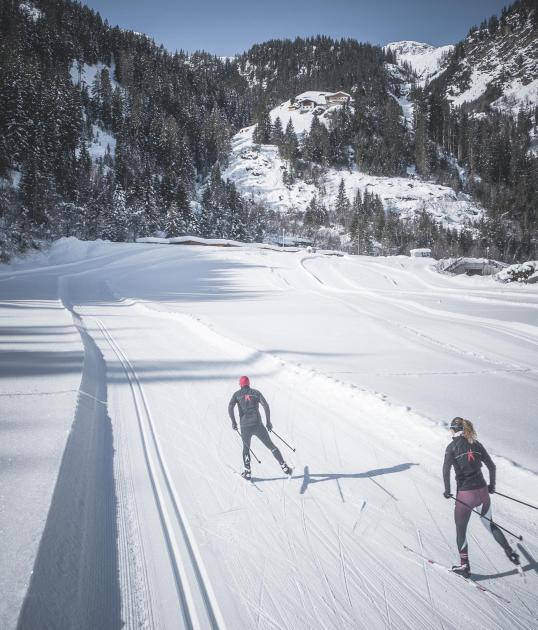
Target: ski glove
x: 234, y: 425
x: 269, y: 426
x: 447, y: 494
x: 491, y: 488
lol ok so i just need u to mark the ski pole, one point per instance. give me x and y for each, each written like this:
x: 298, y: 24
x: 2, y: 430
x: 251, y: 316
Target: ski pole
x: 251, y: 451
x: 282, y: 440
x: 516, y: 500
x: 487, y: 519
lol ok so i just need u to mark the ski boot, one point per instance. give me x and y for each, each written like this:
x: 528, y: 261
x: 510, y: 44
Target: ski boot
x: 286, y: 469
x: 246, y: 474
x: 512, y: 555
x: 462, y: 569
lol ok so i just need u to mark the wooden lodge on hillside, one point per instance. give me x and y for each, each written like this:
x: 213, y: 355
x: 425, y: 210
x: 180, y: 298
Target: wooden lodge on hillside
x: 310, y: 101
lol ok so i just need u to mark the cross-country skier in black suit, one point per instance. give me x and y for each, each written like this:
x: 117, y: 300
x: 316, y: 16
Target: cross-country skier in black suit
x: 248, y: 401
x: 466, y: 454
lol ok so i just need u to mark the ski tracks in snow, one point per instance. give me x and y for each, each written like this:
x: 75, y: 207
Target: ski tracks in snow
x: 199, y: 607
x: 421, y: 337
x: 312, y: 560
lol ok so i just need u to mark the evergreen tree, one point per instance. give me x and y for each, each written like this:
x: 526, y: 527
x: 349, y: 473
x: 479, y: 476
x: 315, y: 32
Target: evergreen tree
x: 315, y: 216
x: 342, y: 205
x: 290, y: 146
x: 264, y: 129
x: 114, y: 221
x: 277, y: 134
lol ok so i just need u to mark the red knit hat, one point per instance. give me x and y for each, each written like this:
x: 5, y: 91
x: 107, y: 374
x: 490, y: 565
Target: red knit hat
x: 244, y: 381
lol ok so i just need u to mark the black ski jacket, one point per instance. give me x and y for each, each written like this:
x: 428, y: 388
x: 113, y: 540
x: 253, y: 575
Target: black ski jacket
x: 467, y: 460
x: 248, y: 401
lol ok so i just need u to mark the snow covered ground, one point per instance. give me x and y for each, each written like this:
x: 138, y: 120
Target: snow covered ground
x: 257, y: 170
x: 118, y: 466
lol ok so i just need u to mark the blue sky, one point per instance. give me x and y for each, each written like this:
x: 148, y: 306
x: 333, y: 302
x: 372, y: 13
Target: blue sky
x: 226, y: 27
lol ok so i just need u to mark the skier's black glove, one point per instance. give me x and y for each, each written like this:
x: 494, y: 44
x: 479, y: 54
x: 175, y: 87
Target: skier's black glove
x: 234, y: 425
x: 269, y: 426
x: 447, y: 494
x: 491, y: 488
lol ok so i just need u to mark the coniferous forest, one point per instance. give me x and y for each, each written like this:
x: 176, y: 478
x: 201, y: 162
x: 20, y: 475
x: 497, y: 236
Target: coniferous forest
x: 170, y: 117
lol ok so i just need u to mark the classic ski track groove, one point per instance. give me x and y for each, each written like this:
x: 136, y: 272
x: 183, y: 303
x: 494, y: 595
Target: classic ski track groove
x: 136, y: 602
x: 171, y: 514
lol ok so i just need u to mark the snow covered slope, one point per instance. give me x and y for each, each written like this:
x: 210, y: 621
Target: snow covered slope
x: 425, y: 59
x: 258, y: 170
x: 165, y: 330
x: 505, y: 61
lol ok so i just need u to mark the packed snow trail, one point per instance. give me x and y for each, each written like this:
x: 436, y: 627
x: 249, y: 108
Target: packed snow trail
x: 424, y: 340
x: 200, y: 547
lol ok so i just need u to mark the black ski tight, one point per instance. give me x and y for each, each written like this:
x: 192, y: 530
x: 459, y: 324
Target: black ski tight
x: 474, y: 499
x: 263, y: 435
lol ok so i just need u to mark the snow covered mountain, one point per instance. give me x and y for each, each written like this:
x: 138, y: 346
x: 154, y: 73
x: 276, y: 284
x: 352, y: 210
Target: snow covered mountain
x: 497, y: 64
x: 424, y: 59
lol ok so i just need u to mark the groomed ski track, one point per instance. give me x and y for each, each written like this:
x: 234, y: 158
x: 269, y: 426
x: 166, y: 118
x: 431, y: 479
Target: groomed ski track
x: 200, y: 548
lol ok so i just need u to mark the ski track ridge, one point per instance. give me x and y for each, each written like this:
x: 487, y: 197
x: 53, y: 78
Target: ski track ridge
x: 168, y: 504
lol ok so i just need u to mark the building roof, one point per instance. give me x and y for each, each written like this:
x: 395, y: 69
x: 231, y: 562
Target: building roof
x: 420, y: 250
x: 319, y: 98
x: 339, y: 94
x: 315, y: 97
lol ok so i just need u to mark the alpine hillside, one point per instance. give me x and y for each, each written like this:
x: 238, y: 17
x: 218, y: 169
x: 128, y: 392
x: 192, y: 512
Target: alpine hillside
x: 103, y: 134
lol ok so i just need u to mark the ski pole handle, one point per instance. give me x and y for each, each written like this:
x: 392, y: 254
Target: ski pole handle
x: 516, y: 500
x: 251, y: 451
x: 487, y: 519
x: 282, y: 440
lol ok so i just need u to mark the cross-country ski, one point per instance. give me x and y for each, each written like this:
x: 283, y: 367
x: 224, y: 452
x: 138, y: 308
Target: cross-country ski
x: 467, y: 579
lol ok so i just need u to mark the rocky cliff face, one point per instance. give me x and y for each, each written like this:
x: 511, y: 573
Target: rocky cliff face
x: 497, y: 64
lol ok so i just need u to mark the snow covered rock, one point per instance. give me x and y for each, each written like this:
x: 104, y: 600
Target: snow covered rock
x: 526, y: 272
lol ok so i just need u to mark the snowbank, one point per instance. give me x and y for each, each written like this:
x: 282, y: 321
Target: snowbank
x: 526, y: 273
x: 191, y: 240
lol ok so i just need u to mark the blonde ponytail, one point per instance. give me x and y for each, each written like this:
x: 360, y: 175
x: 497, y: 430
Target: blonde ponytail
x: 468, y: 431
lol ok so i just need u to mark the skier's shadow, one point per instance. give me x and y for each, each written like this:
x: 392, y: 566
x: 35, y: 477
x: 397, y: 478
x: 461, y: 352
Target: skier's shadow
x: 532, y: 566
x: 312, y: 478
